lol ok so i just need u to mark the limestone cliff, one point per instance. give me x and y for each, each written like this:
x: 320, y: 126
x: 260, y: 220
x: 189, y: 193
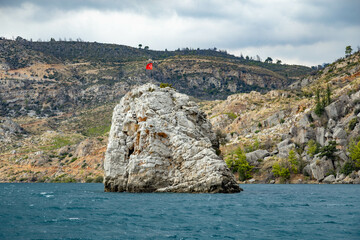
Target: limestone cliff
x: 161, y: 142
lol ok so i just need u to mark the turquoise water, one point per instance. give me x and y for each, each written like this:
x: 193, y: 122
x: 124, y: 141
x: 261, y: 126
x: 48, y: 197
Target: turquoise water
x: 84, y: 211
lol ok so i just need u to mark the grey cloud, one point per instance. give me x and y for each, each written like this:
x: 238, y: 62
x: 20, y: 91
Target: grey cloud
x: 231, y: 24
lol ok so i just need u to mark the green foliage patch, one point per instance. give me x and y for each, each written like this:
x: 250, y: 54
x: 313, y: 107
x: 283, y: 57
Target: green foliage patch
x: 236, y: 161
x: 313, y: 147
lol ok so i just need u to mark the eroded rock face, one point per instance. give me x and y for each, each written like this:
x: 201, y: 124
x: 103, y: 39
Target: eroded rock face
x: 161, y: 142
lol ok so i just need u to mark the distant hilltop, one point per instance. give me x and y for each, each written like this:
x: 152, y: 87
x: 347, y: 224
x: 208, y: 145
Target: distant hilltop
x: 57, y: 76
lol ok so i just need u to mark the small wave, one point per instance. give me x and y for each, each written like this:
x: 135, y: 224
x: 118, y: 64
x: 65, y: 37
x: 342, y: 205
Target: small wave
x: 74, y: 219
x: 49, y: 196
x: 332, y: 222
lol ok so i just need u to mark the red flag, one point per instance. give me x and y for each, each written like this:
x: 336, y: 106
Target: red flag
x: 149, y: 66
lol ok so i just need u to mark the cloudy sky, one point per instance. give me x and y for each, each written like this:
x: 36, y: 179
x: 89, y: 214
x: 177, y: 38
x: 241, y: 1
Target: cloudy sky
x: 306, y: 32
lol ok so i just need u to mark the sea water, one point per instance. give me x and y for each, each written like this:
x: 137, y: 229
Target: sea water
x: 84, y: 211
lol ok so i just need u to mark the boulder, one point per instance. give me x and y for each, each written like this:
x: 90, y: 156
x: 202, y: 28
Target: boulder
x: 284, y: 150
x: 348, y: 180
x: 340, y: 177
x: 274, y: 119
x: 255, y: 156
x: 321, y: 167
x: 339, y: 133
x: 304, y: 121
x: 338, y: 108
x: 161, y: 142
x: 284, y: 143
x: 329, y: 179
x: 304, y: 135
x: 331, y: 123
x: 320, y: 135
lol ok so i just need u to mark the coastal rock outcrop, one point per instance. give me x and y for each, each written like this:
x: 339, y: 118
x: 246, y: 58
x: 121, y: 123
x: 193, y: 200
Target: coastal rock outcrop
x: 161, y: 142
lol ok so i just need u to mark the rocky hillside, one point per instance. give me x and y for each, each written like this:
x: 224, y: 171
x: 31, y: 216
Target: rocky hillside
x: 56, y: 111
x: 50, y: 78
x: 306, y: 134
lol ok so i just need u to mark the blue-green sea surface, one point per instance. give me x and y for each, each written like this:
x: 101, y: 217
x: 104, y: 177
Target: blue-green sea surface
x: 84, y: 211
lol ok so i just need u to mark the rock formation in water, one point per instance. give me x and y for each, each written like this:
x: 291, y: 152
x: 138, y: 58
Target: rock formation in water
x: 161, y: 142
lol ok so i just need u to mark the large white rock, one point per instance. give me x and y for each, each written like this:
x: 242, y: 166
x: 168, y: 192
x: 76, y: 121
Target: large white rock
x: 161, y: 142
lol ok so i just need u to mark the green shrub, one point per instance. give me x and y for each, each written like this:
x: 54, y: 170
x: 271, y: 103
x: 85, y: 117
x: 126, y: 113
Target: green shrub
x: 313, y: 147
x: 348, y: 168
x: 221, y: 137
x: 236, y: 161
x: 328, y: 150
x: 281, y: 170
x: 164, y: 85
x: 99, y: 179
x: 282, y: 121
x: 253, y: 147
x: 231, y: 115
x: 352, y: 123
x: 293, y: 161
x: 354, y: 150
x: 322, y: 100
x: 89, y: 180
x: 97, y: 130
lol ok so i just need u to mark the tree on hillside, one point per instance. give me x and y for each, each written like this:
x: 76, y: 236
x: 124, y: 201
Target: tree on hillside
x: 268, y: 60
x: 140, y: 46
x: 278, y: 61
x: 146, y: 47
x: 348, y: 51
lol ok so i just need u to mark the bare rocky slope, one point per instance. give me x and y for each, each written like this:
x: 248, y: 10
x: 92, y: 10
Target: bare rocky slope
x: 309, y: 133
x: 49, y: 78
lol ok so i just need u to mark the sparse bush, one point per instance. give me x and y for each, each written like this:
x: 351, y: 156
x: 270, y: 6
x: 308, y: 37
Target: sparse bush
x: 280, y: 169
x: 99, y: 179
x: 89, y: 180
x: 354, y: 150
x: 322, y: 100
x: 164, y: 85
x: 231, y: 115
x: 236, y: 161
x: 348, y: 168
x: 352, y: 123
x: 221, y: 137
x: 328, y: 150
x: 293, y: 161
x: 313, y: 147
